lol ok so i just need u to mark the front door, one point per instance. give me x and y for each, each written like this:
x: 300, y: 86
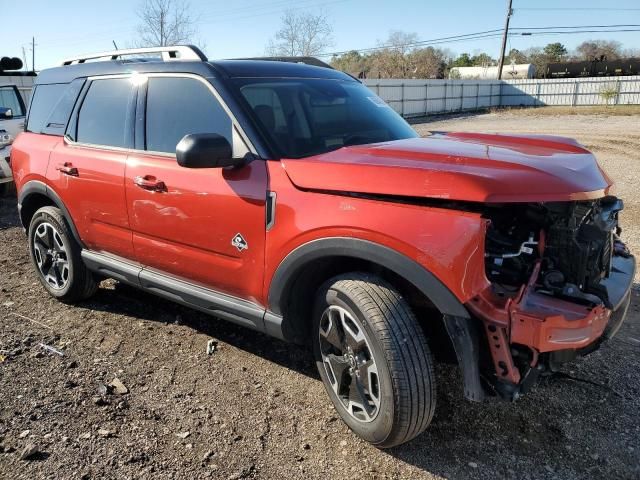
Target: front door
x: 205, y: 225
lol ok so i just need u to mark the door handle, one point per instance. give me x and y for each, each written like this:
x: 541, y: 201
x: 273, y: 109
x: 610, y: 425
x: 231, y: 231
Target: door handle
x: 68, y: 169
x: 151, y: 183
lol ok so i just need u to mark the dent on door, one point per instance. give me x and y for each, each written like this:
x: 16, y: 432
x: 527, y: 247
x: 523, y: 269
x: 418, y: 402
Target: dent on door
x: 190, y: 226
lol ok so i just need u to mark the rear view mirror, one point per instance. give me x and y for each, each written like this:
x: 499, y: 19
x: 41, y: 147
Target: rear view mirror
x: 6, y: 113
x: 205, y: 150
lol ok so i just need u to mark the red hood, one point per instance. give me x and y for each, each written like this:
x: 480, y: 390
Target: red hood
x: 459, y: 166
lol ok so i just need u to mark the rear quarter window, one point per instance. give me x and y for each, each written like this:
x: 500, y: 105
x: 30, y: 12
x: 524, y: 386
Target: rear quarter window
x: 51, y: 107
x: 44, y: 98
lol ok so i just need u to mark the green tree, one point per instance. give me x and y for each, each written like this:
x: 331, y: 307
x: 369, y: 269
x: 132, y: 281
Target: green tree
x: 482, y: 60
x: 463, y: 60
x: 351, y: 62
x: 555, y: 51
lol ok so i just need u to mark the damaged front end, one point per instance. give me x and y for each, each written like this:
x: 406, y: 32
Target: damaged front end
x: 560, y: 280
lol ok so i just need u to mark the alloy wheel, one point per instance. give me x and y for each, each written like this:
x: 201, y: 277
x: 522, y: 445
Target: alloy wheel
x: 51, y: 255
x: 349, y: 363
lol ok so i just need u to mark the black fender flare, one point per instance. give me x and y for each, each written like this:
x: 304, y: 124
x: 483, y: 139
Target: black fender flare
x: 409, y: 269
x: 461, y: 327
x: 36, y: 187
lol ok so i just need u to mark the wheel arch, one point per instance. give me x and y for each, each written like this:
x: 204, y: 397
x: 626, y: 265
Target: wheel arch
x: 36, y: 194
x: 307, y: 267
x: 314, y: 253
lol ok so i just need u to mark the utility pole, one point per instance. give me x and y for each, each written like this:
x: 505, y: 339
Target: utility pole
x: 33, y: 53
x: 504, y: 38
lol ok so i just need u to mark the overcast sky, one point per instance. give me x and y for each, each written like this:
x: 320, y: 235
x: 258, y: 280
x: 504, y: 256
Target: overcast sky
x: 236, y: 28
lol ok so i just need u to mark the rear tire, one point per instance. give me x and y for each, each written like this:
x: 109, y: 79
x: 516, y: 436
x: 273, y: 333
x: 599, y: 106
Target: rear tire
x: 55, y: 255
x: 373, y: 359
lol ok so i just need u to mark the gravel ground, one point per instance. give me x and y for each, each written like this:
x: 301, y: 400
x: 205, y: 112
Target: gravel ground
x: 255, y: 408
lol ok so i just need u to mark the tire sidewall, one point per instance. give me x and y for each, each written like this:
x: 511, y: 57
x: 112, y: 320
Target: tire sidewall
x: 42, y: 217
x: 379, y: 429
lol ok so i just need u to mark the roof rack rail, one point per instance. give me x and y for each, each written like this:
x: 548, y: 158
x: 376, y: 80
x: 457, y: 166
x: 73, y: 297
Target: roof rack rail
x: 306, y: 60
x: 169, y: 54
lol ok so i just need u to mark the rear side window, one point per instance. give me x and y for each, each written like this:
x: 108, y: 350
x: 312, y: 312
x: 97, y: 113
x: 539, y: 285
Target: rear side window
x: 180, y: 106
x: 44, y: 99
x: 9, y: 99
x: 103, y: 115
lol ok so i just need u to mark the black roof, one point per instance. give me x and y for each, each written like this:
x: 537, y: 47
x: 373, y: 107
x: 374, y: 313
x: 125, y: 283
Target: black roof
x: 221, y: 68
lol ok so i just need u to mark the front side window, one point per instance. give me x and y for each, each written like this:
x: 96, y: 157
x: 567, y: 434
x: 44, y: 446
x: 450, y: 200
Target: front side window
x: 180, y: 106
x: 103, y: 115
x: 9, y: 99
x: 303, y: 117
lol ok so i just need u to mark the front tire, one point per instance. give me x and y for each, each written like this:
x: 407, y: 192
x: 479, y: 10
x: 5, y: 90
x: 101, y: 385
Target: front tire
x: 373, y: 359
x: 55, y: 255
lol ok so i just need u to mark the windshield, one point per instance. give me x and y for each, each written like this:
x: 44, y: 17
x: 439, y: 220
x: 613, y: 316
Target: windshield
x: 304, y: 117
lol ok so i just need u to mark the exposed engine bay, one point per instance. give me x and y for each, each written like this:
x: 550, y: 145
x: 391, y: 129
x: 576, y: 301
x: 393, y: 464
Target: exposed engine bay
x: 560, y: 279
x: 573, y: 242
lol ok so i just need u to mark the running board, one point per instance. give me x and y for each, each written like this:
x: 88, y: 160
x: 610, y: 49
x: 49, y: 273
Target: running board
x: 209, y: 301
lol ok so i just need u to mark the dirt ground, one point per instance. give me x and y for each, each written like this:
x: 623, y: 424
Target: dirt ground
x: 255, y: 408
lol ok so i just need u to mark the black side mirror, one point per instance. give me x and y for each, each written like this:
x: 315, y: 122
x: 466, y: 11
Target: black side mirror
x: 6, y: 113
x: 205, y: 150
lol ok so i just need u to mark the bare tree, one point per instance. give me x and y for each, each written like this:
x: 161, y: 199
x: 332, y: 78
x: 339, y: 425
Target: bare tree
x: 165, y: 22
x: 392, y: 61
x: 399, y: 41
x: 301, y: 34
x: 596, y: 49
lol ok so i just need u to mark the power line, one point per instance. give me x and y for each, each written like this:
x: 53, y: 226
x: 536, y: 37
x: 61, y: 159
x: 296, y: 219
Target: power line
x: 521, y: 31
x: 453, y: 38
x: 529, y: 34
x: 576, y: 26
x: 581, y: 8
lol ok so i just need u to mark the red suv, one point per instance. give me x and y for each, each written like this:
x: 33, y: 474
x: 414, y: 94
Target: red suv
x: 288, y: 198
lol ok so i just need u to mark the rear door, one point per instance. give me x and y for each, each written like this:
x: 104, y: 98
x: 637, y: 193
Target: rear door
x: 206, y: 225
x: 87, y: 168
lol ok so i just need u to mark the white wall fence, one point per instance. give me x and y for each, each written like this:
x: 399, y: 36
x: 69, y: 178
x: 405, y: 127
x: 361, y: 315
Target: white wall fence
x: 412, y: 98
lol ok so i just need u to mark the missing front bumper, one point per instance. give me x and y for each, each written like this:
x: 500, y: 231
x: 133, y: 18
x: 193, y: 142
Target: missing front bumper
x: 548, y: 327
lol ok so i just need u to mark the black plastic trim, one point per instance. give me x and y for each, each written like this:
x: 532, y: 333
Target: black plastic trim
x: 465, y: 337
x: 209, y: 301
x: 400, y: 264
x: 37, y: 187
x: 112, y: 266
x: 273, y: 325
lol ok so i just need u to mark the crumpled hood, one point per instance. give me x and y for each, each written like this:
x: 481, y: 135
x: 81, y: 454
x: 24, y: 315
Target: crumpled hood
x: 471, y: 167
